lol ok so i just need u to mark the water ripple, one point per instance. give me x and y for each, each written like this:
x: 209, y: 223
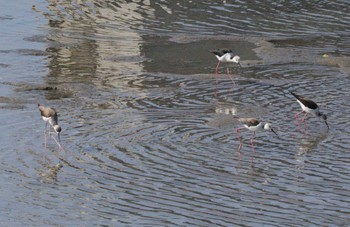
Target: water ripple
x: 149, y: 139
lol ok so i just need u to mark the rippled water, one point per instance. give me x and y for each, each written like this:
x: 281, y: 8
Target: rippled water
x: 146, y: 140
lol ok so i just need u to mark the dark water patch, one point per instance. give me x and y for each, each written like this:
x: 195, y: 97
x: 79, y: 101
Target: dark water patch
x: 37, y: 38
x: 31, y: 52
x: 11, y: 103
x: 4, y: 65
x: 165, y: 56
x: 309, y: 41
x: 53, y: 92
x: 6, y: 17
x: 290, y: 51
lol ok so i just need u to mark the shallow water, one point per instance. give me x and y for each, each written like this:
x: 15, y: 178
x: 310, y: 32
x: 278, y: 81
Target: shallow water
x: 146, y: 140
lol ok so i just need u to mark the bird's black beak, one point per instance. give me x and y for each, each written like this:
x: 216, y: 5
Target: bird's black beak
x: 326, y: 124
x: 274, y: 132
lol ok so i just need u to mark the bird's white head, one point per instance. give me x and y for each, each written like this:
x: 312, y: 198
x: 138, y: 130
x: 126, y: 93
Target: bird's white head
x: 236, y: 59
x: 57, y: 128
x: 324, y: 117
x: 267, y: 126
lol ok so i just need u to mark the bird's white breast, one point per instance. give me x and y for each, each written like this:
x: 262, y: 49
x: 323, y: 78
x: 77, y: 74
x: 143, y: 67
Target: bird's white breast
x: 48, y: 119
x: 256, y: 128
x: 45, y: 118
x: 225, y: 58
x: 307, y: 109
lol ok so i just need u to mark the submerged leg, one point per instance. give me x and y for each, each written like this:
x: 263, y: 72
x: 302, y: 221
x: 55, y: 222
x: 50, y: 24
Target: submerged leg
x: 304, y: 119
x: 58, y: 143
x: 252, y: 142
x: 45, y: 135
x: 217, y: 77
x: 253, y: 149
x: 296, y: 118
x: 239, y: 139
x: 229, y: 76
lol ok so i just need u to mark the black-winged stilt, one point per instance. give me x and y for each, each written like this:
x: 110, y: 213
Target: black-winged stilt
x: 309, y: 107
x: 225, y: 55
x: 254, y: 125
x: 49, y: 115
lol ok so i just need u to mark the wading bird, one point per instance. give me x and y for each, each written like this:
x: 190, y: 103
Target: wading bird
x: 309, y: 107
x: 49, y: 115
x: 254, y: 125
x: 225, y: 55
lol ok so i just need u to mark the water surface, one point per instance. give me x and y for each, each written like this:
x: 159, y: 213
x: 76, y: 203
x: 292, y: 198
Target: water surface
x: 147, y: 141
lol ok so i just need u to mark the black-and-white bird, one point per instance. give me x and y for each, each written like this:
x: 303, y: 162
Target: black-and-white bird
x: 309, y: 107
x: 49, y: 115
x: 254, y: 125
x: 225, y: 55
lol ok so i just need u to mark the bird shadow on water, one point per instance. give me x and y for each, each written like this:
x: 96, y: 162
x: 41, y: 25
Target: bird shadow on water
x: 61, y: 154
x: 308, y: 142
x: 51, y: 172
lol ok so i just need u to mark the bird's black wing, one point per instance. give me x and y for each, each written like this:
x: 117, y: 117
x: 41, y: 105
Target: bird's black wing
x: 54, y: 116
x: 305, y: 101
x: 220, y: 52
x: 249, y: 121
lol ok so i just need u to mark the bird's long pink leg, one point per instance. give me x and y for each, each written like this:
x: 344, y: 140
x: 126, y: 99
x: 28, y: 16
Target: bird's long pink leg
x: 253, y: 149
x: 239, y: 139
x: 45, y: 135
x: 229, y: 76
x: 252, y: 142
x: 304, y: 119
x: 239, y: 148
x: 58, y: 143
x: 296, y: 118
x: 217, y: 76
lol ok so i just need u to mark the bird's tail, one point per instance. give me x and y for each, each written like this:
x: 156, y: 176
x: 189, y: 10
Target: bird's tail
x: 213, y: 51
x: 295, y: 95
